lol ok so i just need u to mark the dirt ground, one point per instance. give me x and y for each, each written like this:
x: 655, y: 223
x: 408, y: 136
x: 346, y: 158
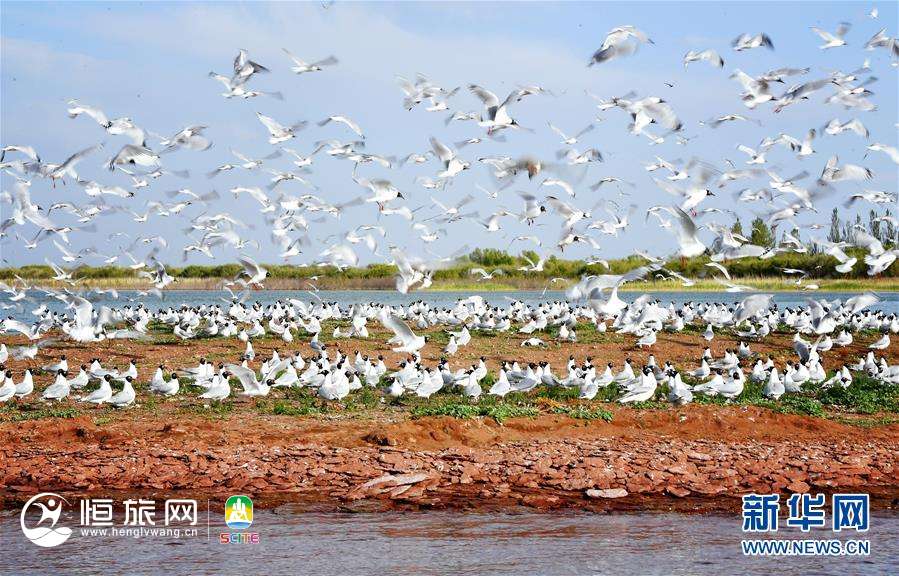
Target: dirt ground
x: 700, y: 458
x: 683, y: 349
x: 383, y: 458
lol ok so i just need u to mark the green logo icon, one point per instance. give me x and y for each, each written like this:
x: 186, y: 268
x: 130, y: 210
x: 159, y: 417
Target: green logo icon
x: 239, y: 512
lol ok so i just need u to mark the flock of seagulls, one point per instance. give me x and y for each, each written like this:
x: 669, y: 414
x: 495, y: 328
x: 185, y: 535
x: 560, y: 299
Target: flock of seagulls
x: 819, y: 327
x: 298, y: 213
x: 529, y: 196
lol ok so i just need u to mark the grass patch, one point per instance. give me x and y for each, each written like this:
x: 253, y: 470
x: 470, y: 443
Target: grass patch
x: 867, y: 422
x: 796, y: 404
x: 581, y: 412
x: 864, y: 396
x: 282, y: 408
x: 650, y: 405
x: 499, y: 411
x: 24, y: 412
x: 214, y: 409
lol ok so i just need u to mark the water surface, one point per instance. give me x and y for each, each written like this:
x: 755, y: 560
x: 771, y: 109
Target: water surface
x: 454, y: 544
x: 177, y: 298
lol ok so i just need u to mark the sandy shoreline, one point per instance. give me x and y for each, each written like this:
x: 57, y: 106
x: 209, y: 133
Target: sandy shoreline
x: 646, y: 460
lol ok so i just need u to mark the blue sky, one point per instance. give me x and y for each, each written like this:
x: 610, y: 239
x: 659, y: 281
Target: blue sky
x: 150, y: 61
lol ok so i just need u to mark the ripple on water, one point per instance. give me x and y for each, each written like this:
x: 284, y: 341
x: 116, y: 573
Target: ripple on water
x: 453, y: 543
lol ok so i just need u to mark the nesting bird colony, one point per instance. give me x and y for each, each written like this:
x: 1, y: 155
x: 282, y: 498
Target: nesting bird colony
x: 332, y: 374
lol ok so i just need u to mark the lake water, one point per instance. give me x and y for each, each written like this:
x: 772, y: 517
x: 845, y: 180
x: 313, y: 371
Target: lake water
x: 176, y: 298
x: 451, y: 543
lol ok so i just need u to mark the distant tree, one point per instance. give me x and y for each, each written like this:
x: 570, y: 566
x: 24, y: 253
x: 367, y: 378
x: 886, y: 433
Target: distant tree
x: 874, y: 224
x: 834, y: 235
x: 889, y: 229
x: 737, y: 228
x: 530, y: 255
x: 491, y: 257
x: 761, y: 234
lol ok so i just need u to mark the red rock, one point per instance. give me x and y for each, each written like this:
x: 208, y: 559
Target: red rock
x: 698, y: 456
x: 678, y: 491
x: 799, y: 487
x: 607, y: 493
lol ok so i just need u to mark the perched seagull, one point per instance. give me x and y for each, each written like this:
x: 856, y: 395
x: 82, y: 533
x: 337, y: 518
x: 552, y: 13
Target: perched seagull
x: 881, y: 344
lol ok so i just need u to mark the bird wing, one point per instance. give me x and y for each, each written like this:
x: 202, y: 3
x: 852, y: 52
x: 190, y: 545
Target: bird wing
x: 487, y: 97
x: 825, y: 35
x: 296, y: 60
x: 587, y: 128
x: 252, y: 268
x: 441, y: 150
x: 857, y: 127
x: 272, y: 126
x: 395, y: 324
x: 559, y: 132
x: 83, y: 310
x: 687, y: 224
x: 274, y: 370
x: 77, y: 157
x: 246, y: 376
x: 329, y: 61
x: 560, y: 207
x: 98, y: 115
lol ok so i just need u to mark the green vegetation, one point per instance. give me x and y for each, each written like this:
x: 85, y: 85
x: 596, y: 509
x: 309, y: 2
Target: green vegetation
x: 499, y: 411
x: 283, y: 408
x: 866, y: 402
x: 214, y: 409
x: 864, y: 396
x: 581, y: 412
x: 767, y: 273
x: 20, y: 412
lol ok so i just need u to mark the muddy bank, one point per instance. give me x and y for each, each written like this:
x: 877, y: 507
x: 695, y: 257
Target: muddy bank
x: 664, y: 460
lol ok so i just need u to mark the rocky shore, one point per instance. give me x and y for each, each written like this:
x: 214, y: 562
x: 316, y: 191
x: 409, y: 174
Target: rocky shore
x: 387, y: 468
